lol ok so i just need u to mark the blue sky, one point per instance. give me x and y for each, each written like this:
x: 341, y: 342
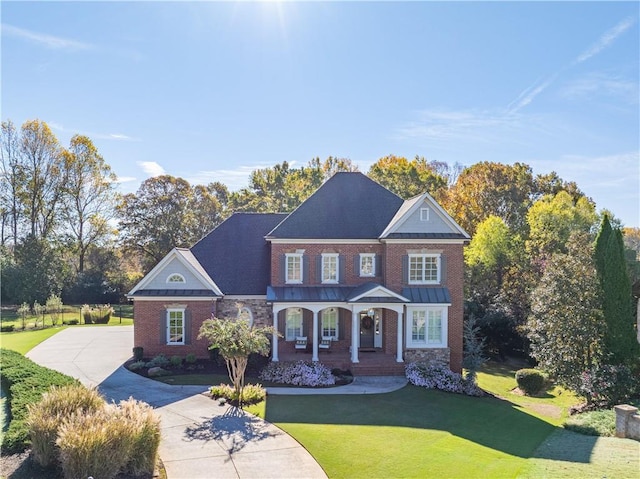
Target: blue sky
x: 211, y: 91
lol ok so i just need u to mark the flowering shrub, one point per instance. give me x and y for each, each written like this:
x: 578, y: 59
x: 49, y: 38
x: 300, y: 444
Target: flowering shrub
x: 438, y: 376
x: 608, y: 384
x: 301, y: 373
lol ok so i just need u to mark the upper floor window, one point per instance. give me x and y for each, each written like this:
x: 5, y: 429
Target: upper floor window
x: 293, y: 268
x: 424, y: 268
x: 329, y: 268
x: 176, y: 278
x: 367, y: 264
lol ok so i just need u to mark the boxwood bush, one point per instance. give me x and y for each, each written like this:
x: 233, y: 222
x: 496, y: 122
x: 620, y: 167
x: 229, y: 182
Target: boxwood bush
x: 530, y: 380
x: 25, y: 383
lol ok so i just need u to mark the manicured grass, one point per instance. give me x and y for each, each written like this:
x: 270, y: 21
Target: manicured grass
x: 24, y: 341
x: 123, y: 314
x: 413, y: 432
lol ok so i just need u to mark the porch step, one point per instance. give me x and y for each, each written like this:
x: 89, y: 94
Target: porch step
x: 360, y: 369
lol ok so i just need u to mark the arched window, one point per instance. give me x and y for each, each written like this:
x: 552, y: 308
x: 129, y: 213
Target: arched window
x: 176, y: 278
x: 245, y: 314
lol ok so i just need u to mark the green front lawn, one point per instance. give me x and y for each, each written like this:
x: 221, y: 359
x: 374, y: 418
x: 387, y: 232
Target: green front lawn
x: 24, y: 341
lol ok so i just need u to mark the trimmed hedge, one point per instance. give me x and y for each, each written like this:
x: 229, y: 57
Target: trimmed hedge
x: 25, y: 382
x: 530, y: 380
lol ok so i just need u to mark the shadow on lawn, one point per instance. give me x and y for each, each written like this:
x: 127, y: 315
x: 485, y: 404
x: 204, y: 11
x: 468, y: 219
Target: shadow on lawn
x: 492, y: 422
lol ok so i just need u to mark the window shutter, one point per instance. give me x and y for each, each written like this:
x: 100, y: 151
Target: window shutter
x: 378, y: 265
x: 342, y: 269
x: 342, y: 324
x: 405, y: 269
x: 319, y: 269
x: 283, y: 268
x: 356, y: 265
x: 187, y: 327
x: 163, y: 326
x: 443, y: 269
x: 305, y: 269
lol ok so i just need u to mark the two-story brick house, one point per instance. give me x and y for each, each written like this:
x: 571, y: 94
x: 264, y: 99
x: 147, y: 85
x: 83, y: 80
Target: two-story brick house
x: 354, y: 263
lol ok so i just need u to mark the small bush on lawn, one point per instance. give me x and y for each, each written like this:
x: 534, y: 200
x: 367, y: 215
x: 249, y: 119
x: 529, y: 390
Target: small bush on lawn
x: 137, y: 365
x: 530, y: 380
x: 159, y: 361
x: 7, y: 328
x: 439, y: 376
x: 300, y: 373
x: 251, y: 393
x: 593, y: 423
x: 25, y: 382
x: 46, y: 417
x: 70, y: 322
x: 190, y: 359
x: 176, y: 361
x: 101, y: 314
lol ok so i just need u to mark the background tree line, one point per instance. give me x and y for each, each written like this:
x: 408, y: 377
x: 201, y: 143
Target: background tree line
x: 65, y: 230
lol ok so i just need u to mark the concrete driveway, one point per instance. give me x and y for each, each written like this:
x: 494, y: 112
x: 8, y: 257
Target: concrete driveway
x: 200, y: 439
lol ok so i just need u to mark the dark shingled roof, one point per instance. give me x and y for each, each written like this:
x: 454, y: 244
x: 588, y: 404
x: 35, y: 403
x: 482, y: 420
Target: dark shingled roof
x: 427, y: 295
x: 174, y: 292
x: 347, y: 206
x: 236, y: 255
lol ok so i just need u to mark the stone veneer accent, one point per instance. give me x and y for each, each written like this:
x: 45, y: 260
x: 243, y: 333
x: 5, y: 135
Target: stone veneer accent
x: 434, y: 355
x: 262, y: 313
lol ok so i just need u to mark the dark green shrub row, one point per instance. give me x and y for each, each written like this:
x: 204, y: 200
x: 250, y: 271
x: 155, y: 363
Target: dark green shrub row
x: 7, y: 328
x: 530, y: 380
x: 25, y: 382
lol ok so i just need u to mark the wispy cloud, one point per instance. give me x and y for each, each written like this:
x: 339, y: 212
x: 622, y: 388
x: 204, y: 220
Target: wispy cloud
x: 125, y: 179
x: 605, y: 40
x: 93, y: 135
x: 151, y: 168
x: 603, y: 84
x: 49, y: 41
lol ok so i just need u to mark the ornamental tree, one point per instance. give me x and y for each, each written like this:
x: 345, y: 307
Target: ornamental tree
x: 236, y: 340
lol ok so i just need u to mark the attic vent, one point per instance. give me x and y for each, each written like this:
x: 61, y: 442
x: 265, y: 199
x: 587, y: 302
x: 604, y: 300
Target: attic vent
x: 176, y: 278
x: 424, y: 214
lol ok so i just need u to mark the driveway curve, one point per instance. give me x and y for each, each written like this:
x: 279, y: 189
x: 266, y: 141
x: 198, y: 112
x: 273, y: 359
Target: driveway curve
x: 200, y: 438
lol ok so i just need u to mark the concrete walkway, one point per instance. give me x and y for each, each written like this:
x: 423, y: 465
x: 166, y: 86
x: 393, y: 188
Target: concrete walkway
x: 200, y: 438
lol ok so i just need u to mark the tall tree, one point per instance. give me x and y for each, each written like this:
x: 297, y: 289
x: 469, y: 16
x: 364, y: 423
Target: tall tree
x: 44, y: 177
x: 89, y: 196
x: 552, y: 219
x: 12, y: 181
x: 621, y: 346
x: 408, y: 178
x: 566, y: 325
x: 161, y: 215
x: 486, y: 189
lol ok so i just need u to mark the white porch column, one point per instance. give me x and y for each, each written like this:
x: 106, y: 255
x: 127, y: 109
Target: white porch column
x: 274, y: 341
x: 399, y: 339
x: 314, y: 356
x: 355, y: 336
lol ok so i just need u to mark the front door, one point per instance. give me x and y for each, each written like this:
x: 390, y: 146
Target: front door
x: 367, y: 330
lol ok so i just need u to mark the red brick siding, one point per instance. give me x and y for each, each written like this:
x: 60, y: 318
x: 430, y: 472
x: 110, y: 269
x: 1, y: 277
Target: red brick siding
x: 150, y: 317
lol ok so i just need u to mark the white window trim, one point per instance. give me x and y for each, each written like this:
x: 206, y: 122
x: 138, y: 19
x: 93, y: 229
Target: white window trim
x: 424, y: 255
x: 373, y: 265
x: 182, y: 311
x: 334, y: 337
x: 176, y: 275
x: 424, y: 214
x: 426, y: 344
x: 291, y: 311
x: 327, y: 256
x: 286, y: 268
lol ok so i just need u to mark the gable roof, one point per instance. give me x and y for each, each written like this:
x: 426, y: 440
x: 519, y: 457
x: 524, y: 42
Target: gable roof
x: 186, y: 258
x: 409, y: 207
x: 349, y: 205
x: 236, y: 255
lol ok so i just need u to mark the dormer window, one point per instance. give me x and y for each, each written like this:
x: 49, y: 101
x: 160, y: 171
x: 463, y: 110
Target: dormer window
x: 424, y: 214
x: 175, y: 278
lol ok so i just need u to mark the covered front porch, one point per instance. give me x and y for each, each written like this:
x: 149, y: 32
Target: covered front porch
x: 372, y: 362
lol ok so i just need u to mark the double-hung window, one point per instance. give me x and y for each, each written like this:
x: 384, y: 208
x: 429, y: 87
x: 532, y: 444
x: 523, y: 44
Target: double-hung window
x: 293, y: 268
x: 329, y: 268
x: 330, y: 323
x: 424, y: 268
x: 175, y: 326
x: 367, y: 264
x: 293, y: 324
x: 427, y: 327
